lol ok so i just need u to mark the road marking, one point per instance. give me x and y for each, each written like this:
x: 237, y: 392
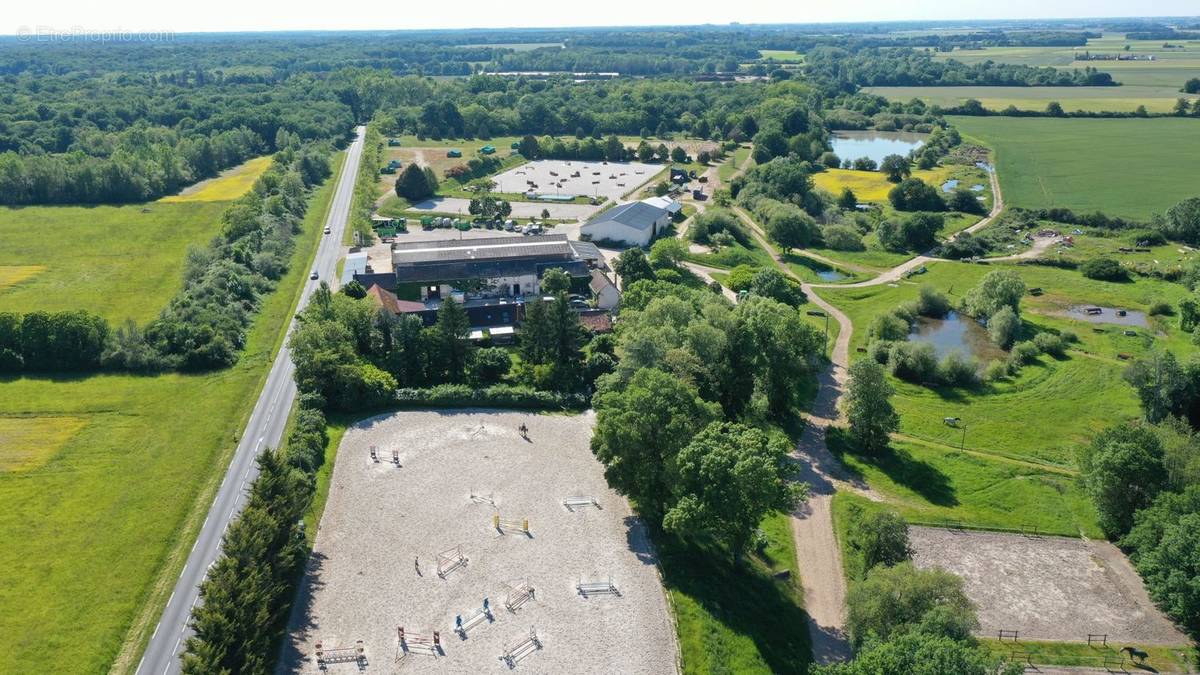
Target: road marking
x: 184, y: 570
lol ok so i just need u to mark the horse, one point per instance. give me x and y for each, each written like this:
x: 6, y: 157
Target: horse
x: 1135, y: 654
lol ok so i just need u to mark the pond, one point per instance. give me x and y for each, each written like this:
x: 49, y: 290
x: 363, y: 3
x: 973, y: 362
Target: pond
x: 1111, y: 315
x: 956, y: 333
x: 978, y: 187
x: 875, y: 144
x: 949, y: 185
x: 830, y: 275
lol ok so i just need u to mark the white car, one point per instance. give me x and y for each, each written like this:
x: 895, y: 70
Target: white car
x: 314, y: 276
x: 327, y: 230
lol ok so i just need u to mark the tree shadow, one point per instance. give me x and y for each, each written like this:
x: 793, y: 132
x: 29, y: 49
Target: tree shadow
x: 300, y: 621
x: 921, y: 477
x: 901, y: 467
x: 743, y: 598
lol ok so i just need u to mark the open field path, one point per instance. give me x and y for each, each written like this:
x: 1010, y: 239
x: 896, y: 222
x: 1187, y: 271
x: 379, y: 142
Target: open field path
x: 817, y: 551
x: 264, y: 429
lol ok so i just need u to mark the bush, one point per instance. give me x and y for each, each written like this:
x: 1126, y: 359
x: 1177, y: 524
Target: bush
x: 489, y: 366
x: 1049, y: 343
x: 1103, y: 269
x: 913, y: 361
x: 502, y: 396
x: 1068, y: 337
x: 914, y: 194
x: 1024, y: 353
x: 995, y: 370
x: 932, y: 303
x: 842, y: 238
x: 1161, y: 308
x: 878, y: 351
x: 741, y: 277
x: 957, y: 370
x: 888, y: 328
x: 1004, y: 327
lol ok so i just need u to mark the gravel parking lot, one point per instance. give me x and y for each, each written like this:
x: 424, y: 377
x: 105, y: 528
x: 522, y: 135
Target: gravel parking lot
x: 457, y: 469
x: 1047, y: 588
x: 606, y: 179
x: 519, y: 209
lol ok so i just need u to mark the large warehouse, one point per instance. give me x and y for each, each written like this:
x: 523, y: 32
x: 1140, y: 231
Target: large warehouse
x: 633, y: 224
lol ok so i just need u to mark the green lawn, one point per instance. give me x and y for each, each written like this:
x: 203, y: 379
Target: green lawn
x: 121, y: 262
x: 94, y: 531
x: 1123, y: 167
x: 1007, y: 475
x: 1162, y: 659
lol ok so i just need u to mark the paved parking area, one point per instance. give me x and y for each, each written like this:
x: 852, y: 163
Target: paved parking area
x: 1047, y: 588
x: 555, y: 176
x: 457, y: 470
x: 519, y: 209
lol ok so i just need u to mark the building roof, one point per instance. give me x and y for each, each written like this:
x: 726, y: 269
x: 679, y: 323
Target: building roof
x: 596, y: 322
x: 589, y: 252
x: 599, y: 281
x: 356, y: 263
x: 481, y: 258
x: 637, y: 215
x: 666, y: 203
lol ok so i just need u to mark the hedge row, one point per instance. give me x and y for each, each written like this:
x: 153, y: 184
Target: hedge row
x: 498, y: 396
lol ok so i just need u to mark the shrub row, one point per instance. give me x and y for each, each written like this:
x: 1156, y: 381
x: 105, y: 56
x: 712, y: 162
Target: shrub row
x: 500, y: 395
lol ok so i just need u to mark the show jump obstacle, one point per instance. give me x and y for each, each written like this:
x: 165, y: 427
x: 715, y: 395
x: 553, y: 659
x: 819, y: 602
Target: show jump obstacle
x: 474, y: 618
x: 518, y: 596
x: 355, y: 654
x: 516, y: 651
x: 419, y: 642
x: 587, y: 588
x: 573, y: 503
x: 450, y: 560
x: 504, y: 525
x: 375, y: 456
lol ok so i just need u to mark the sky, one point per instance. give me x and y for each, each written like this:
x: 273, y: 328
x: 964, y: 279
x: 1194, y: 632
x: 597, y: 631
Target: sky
x: 91, y: 16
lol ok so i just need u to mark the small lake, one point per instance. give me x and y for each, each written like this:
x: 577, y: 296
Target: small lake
x: 830, y: 275
x: 949, y: 185
x: 875, y: 144
x: 978, y: 187
x: 1110, y: 315
x: 956, y: 333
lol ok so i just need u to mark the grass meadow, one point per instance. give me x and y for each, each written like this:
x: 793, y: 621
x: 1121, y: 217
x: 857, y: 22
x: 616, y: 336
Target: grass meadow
x: 230, y: 185
x: 1123, y: 167
x: 105, y: 479
x: 121, y: 262
x: 1006, y: 472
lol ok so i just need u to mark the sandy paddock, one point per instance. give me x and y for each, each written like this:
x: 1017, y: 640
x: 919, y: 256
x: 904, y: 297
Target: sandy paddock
x: 615, y: 178
x: 1047, y: 588
x: 362, y: 584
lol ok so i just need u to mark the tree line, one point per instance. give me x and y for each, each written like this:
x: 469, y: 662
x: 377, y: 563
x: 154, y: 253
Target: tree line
x: 355, y: 355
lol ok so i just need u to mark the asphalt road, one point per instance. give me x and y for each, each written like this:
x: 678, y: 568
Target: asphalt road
x: 264, y: 430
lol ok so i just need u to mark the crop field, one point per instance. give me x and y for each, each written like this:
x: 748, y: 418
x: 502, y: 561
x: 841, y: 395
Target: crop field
x: 1156, y: 98
x: 1123, y: 167
x: 121, y: 262
x: 782, y: 55
x: 873, y: 186
x: 230, y: 185
x: 100, y: 498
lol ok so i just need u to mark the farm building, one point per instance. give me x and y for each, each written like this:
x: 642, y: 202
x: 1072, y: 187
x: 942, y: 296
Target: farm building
x: 670, y: 205
x: 454, y: 152
x: 604, y: 291
x: 488, y: 150
x: 633, y: 224
x: 490, y: 277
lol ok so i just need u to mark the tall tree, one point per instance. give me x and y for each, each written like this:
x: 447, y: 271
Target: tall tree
x: 730, y: 477
x: 640, y: 429
x: 868, y: 406
x: 1122, y: 470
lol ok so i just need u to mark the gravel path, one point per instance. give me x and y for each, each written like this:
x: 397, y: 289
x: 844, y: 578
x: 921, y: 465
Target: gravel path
x: 362, y: 583
x: 818, y: 554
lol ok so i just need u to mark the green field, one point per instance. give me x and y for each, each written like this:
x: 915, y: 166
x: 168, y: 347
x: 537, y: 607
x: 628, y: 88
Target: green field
x: 1123, y: 167
x: 1006, y: 475
x: 121, y: 262
x: 1154, y: 84
x: 108, y: 477
x: 1127, y: 98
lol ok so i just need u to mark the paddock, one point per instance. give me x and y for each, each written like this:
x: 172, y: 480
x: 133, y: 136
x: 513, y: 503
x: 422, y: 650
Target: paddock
x: 596, y: 178
x: 482, y: 513
x: 1047, y: 588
